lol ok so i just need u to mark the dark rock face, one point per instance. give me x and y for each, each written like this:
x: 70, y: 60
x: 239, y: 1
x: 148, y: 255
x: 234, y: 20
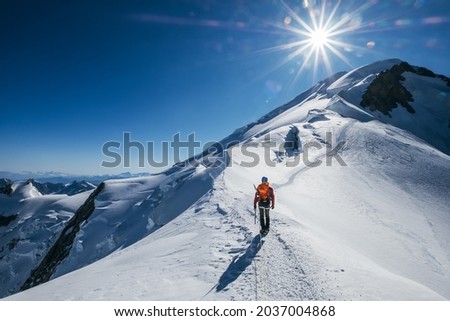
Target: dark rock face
x: 386, y: 91
x: 292, y: 142
x: 5, y: 220
x: 6, y: 186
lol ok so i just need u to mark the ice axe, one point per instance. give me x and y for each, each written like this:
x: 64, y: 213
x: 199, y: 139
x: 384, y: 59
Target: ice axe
x: 255, y: 207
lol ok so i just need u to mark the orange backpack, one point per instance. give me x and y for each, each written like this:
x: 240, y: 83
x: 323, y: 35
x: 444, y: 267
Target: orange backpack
x: 263, y: 191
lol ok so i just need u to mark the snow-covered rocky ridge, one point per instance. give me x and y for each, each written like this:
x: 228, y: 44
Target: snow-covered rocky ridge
x: 362, y: 213
x: 30, y: 223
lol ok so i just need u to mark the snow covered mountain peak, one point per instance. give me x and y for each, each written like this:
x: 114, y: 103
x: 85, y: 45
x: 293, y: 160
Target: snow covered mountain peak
x: 377, y: 91
x: 24, y: 190
x: 361, y: 208
x: 411, y: 98
x: 361, y: 75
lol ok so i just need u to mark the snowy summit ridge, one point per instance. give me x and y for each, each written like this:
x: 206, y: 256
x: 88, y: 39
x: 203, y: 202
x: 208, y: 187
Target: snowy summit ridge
x: 362, y: 208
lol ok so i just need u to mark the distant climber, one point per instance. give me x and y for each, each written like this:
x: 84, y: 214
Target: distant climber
x: 265, y: 198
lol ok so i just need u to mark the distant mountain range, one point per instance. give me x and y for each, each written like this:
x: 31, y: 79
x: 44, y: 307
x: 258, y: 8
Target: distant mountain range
x: 72, y: 188
x: 58, y: 177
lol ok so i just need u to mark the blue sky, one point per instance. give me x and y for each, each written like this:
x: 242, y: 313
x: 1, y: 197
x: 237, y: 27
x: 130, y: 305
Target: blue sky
x: 77, y: 74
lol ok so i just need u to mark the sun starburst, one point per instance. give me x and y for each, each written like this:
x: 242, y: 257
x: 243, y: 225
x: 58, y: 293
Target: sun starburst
x: 317, y: 33
x: 319, y: 38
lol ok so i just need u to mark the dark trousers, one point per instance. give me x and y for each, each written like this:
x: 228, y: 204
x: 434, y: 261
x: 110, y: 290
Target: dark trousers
x: 264, y: 217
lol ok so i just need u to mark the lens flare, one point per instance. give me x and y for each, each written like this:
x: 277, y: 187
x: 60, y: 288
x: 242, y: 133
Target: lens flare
x: 317, y: 31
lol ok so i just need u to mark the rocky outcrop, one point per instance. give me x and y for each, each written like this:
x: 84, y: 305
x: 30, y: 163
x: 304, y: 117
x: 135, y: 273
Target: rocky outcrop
x: 6, y: 187
x: 386, y: 91
x: 6, y: 220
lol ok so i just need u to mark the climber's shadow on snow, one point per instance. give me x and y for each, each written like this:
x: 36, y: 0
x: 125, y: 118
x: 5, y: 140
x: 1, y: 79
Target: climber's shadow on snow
x: 239, y: 264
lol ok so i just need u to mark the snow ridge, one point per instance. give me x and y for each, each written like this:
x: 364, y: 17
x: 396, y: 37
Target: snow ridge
x: 361, y: 212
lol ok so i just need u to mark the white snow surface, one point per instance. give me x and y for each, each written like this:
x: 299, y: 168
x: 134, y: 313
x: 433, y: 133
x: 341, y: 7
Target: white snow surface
x: 369, y: 222
x: 38, y: 221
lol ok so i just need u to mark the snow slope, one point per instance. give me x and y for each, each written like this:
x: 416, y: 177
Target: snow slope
x: 361, y: 214
x: 33, y: 222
